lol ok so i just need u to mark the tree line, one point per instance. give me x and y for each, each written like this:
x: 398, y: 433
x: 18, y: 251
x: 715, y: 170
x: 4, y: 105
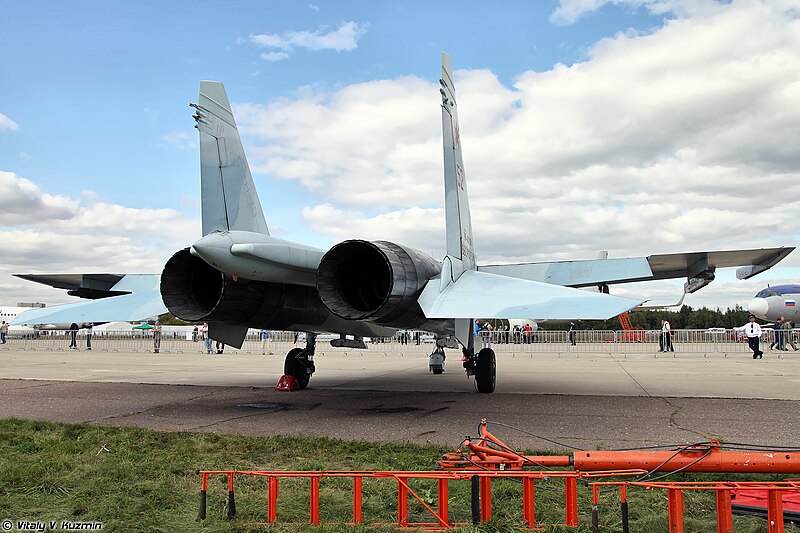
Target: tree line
x: 686, y: 318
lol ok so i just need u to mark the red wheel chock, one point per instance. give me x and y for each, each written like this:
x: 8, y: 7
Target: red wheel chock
x: 287, y: 383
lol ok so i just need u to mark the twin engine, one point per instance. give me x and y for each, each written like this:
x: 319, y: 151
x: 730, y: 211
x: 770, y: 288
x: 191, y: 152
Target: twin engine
x: 377, y: 282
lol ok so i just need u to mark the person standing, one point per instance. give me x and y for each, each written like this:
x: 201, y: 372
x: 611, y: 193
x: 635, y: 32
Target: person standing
x: 206, y: 338
x: 194, y: 334
x: 266, y: 338
x: 786, y: 335
x: 572, y: 333
x: 777, y: 340
x: 157, y: 337
x: 73, y: 333
x: 753, y: 332
x: 666, y: 334
x: 3, y: 332
x: 89, y: 336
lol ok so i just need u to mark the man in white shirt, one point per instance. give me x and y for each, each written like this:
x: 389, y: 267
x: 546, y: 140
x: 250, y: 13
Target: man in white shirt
x: 753, y: 332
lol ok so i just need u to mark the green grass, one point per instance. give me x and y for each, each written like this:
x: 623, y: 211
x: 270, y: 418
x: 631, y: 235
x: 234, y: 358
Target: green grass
x: 147, y: 482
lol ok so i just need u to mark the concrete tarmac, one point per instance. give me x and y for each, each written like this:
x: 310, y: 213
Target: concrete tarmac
x: 584, y: 400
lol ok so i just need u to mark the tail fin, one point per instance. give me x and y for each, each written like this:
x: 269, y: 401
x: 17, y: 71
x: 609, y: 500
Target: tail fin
x: 456, y: 202
x: 227, y: 191
x: 460, y: 252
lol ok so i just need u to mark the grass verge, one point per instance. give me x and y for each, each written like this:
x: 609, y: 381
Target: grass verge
x: 147, y: 482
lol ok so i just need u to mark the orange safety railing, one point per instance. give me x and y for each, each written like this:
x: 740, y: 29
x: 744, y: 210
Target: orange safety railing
x: 723, y: 490
x: 481, y: 503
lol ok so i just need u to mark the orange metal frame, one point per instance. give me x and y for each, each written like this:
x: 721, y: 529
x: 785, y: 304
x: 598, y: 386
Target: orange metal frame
x: 487, y: 458
x: 440, y: 513
x: 723, y: 491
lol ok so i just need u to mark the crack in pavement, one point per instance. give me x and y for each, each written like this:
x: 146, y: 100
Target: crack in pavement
x: 673, y: 422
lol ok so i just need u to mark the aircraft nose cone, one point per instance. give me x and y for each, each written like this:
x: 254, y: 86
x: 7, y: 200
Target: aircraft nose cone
x: 759, y: 307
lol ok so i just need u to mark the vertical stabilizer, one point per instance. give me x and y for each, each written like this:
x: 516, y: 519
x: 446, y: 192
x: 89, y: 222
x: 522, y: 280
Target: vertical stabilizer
x: 460, y: 252
x: 229, y: 199
x: 456, y: 204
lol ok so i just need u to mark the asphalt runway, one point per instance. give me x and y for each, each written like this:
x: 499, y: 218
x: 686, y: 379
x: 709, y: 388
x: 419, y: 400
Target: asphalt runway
x: 585, y: 400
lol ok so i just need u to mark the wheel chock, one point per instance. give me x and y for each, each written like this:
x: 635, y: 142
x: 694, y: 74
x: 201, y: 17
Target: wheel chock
x: 287, y: 383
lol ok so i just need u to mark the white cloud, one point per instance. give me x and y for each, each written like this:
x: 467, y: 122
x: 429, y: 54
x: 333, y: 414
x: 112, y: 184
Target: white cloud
x: 40, y: 232
x: 343, y: 38
x: 274, y: 56
x: 23, y: 203
x: 569, y: 11
x: 180, y: 139
x: 7, y: 124
x: 679, y: 140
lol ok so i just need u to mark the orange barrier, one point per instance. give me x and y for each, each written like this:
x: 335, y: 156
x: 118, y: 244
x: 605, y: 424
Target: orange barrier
x: 481, y: 494
x: 723, y: 490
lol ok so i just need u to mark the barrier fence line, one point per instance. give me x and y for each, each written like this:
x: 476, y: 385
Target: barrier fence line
x: 558, y: 342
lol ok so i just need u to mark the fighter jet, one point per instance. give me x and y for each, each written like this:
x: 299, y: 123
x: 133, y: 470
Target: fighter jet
x: 237, y: 276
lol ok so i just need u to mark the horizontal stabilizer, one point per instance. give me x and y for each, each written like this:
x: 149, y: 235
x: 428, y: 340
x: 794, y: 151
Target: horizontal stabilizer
x: 480, y: 294
x: 125, y: 308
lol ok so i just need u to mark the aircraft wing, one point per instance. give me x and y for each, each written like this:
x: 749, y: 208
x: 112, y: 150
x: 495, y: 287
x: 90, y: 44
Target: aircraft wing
x: 489, y: 295
x: 112, y: 297
x: 660, y: 266
x: 128, y: 307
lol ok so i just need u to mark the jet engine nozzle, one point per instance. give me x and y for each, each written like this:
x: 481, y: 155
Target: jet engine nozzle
x: 375, y: 281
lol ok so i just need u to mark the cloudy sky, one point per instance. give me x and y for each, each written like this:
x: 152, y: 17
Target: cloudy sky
x: 633, y: 126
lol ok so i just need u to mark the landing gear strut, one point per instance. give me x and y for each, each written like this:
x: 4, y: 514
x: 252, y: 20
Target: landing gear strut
x: 299, y: 362
x: 483, y: 366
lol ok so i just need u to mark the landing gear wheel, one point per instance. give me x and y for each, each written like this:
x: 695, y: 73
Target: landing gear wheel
x: 293, y: 366
x: 485, y: 371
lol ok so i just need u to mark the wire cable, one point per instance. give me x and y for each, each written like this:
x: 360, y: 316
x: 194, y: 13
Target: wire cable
x: 551, y: 441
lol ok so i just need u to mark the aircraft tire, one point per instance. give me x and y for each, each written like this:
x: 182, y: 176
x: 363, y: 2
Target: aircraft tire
x: 486, y: 371
x: 437, y: 369
x: 292, y: 366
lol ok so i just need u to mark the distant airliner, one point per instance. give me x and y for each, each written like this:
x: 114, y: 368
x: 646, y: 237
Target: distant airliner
x: 237, y: 276
x: 775, y: 302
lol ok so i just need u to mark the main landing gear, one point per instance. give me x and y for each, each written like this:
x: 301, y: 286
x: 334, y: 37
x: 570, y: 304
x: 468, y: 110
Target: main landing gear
x: 299, y: 362
x: 483, y: 366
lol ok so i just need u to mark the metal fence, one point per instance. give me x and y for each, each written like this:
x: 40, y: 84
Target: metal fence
x: 554, y: 342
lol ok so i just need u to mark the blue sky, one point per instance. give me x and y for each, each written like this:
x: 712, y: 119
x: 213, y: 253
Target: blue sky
x: 589, y: 124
